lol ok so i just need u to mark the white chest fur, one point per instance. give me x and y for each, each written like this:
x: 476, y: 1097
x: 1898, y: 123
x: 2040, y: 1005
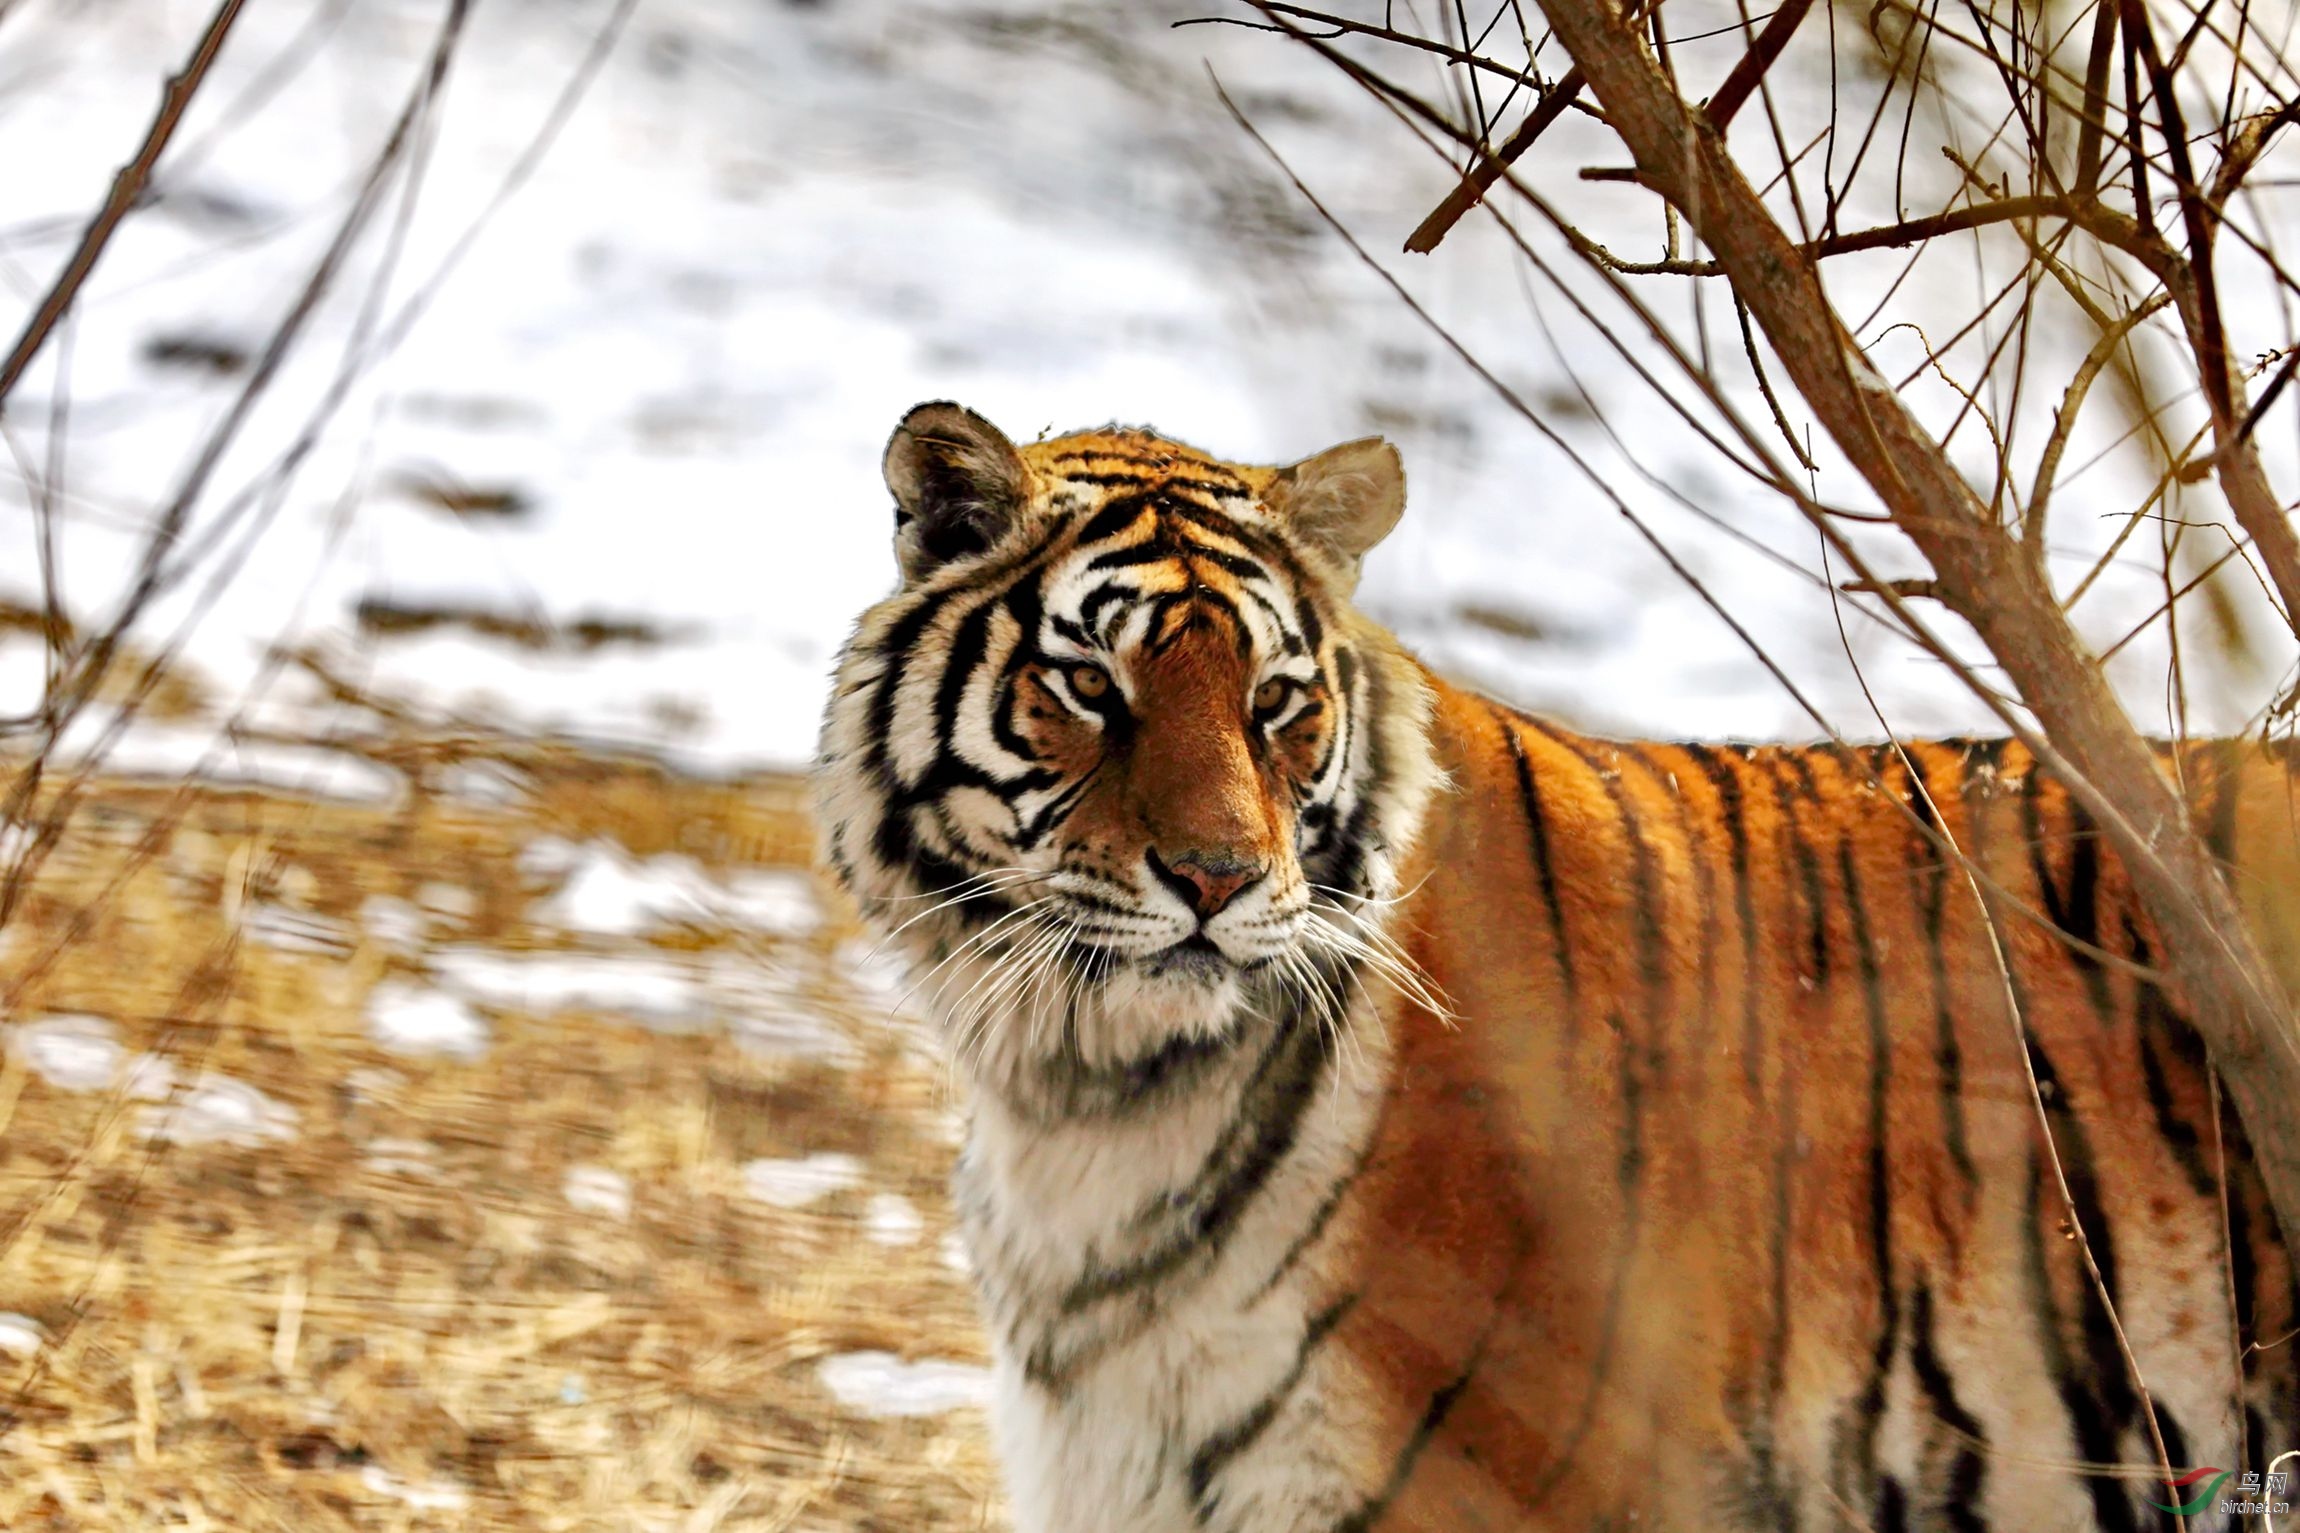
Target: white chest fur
x: 1146, y: 1275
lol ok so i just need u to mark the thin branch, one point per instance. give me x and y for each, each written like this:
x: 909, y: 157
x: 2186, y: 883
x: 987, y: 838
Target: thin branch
x: 2064, y: 420
x: 1479, y: 179
x: 2212, y: 339
x: 127, y: 187
x: 2095, y: 98
x: 1750, y: 68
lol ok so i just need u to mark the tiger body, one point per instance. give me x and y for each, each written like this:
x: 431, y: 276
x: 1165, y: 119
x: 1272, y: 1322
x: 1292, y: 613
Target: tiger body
x: 1392, y: 1111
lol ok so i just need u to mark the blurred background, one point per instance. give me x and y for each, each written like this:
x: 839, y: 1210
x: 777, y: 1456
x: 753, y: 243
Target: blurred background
x: 437, y: 1093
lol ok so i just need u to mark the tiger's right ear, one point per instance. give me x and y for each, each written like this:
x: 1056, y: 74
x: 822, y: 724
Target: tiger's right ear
x: 958, y: 486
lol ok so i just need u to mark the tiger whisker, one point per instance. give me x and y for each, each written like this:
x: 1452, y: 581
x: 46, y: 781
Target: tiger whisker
x: 1009, y: 972
x: 1369, y: 944
x: 988, y: 933
x: 959, y: 894
x: 1378, y: 901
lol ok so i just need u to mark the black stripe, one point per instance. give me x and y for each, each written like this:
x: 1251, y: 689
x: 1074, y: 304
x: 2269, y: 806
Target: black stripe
x: 1215, y: 1453
x: 1665, y: 782
x: 1338, y: 689
x: 1440, y: 1406
x: 1229, y: 564
x: 2073, y: 908
x: 1632, y: 1087
x: 1871, y: 1404
x: 1932, y: 858
x: 1346, y: 862
x: 1205, y: 1214
x: 1727, y: 783
x: 1157, y: 549
x: 2164, y: 1037
x: 1892, y: 1507
x: 1029, y: 833
x: 1328, y: 1205
x: 1164, y: 459
x: 899, y: 649
x: 1073, y: 1090
x: 1960, y: 1497
x: 2227, y: 783
x: 1545, y: 872
x: 2175, y: 1452
x: 1197, y: 516
x: 1024, y: 610
x: 1189, y: 484
x: 2093, y: 1388
x: 1808, y: 862
x: 1645, y: 891
x: 1109, y: 593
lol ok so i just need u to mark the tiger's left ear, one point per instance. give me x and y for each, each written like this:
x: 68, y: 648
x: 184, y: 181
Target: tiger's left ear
x: 958, y: 485
x: 1343, y: 501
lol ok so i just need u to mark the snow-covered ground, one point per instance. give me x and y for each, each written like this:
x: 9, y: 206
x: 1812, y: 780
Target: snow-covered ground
x: 650, y: 395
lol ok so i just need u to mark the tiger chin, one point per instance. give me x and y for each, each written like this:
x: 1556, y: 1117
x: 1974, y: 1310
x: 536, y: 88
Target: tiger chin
x: 1392, y: 1111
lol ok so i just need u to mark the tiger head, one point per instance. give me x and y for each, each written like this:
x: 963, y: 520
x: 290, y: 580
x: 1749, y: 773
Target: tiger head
x: 1118, y: 761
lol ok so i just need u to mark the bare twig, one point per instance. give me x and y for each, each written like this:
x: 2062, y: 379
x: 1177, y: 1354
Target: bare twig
x: 2095, y: 113
x: 2064, y: 420
x: 127, y: 187
x: 1482, y: 174
x: 1751, y: 67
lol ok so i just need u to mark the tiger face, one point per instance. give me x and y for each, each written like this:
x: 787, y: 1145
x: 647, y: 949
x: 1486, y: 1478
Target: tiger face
x: 1118, y: 754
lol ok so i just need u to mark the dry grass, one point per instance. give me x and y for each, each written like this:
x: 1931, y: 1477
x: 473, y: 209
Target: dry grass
x: 395, y: 1318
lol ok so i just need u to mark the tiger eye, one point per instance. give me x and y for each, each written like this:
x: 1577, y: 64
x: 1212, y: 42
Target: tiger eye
x: 1269, y: 695
x: 1089, y: 681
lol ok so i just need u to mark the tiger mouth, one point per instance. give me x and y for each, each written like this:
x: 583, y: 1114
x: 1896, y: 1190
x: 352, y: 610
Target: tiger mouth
x: 1195, y: 956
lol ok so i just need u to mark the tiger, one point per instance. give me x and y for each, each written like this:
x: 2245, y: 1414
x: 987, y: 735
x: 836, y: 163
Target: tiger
x: 1389, y: 1109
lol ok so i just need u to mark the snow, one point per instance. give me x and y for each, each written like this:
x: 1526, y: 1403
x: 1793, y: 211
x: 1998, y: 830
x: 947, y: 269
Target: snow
x: 83, y: 1053
x: 71, y: 1053
x: 797, y: 1183
x: 773, y: 1028
x: 771, y: 901
x: 891, y: 1220
x: 597, y: 1190
x: 482, y: 784
x: 609, y: 893
x: 764, y: 1002
x: 660, y: 990
x: 414, y: 1019
x: 218, y: 1110
x: 881, y: 1384
x: 776, y: 1006
x: 297, y: 931
x: 433, y: 1495
x: 20, y: 1335
x: 394, y: 922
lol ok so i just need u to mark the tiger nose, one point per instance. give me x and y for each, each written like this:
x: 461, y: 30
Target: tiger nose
x: 1206, y: 881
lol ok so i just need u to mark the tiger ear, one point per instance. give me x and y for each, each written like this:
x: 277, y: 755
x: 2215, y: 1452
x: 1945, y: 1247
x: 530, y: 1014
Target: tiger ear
x: 1343, y: 501
x: 958, y: 486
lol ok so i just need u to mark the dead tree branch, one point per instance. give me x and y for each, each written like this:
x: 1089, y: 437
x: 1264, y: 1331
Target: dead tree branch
x: 1980, y: 571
